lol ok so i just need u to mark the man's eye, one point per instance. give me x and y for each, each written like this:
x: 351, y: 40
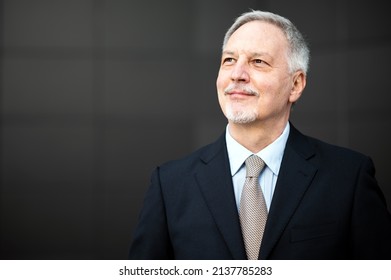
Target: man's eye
x: 258, y: 61
x: 228, y: 60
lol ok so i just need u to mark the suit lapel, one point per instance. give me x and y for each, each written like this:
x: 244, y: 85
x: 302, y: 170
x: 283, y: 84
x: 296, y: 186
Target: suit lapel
x: 214, y: 179
x: 295, y: 176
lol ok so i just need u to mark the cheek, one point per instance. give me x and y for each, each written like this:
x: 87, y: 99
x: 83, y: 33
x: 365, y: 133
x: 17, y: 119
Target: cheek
x: 220, y: 90
x: 222, y: 80
x: 270, y: 87
x: 219, y: 84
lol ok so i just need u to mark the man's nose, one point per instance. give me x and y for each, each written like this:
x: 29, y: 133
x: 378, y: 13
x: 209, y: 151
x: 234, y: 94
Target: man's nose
x: 240, y: 72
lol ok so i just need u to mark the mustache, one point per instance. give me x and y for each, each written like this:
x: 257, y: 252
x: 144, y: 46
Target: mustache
x: 242, y: 88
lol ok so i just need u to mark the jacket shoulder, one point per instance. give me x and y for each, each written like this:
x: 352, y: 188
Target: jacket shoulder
x: 308, y: 145
x: 332, y: 150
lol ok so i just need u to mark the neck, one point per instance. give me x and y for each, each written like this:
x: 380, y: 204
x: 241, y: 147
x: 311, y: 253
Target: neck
x: 256, y: 136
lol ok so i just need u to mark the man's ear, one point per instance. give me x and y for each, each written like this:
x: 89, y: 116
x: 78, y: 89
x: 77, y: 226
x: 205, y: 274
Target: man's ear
x: 298, y: 84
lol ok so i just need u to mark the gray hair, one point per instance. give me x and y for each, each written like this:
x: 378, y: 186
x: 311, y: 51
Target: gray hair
x: 298, y: 54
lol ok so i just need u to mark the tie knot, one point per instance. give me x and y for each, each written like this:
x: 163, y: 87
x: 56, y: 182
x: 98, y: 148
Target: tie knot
x: 254, y: 166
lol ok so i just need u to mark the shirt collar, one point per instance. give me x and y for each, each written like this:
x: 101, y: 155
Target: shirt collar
x: 271, y: 155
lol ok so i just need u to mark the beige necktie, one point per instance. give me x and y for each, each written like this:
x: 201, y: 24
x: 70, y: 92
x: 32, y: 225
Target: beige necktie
x: 252, y: 210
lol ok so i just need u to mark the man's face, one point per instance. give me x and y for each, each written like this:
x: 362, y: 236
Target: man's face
x: 254, y: 83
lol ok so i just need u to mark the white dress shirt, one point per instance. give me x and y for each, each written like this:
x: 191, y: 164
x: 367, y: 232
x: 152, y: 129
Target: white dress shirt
x: 271, y: 155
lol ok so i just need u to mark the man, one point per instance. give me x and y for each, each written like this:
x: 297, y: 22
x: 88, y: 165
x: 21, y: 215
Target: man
x: 311, y: 200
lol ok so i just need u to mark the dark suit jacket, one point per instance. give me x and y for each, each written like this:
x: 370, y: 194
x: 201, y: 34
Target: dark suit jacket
x: 326, y: 205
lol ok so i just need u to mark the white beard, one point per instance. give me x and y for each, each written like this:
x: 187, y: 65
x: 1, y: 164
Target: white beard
x: 240, y: 116
x: 236, y: 112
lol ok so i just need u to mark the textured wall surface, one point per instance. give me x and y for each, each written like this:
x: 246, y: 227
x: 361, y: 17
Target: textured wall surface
x: 95, y: 94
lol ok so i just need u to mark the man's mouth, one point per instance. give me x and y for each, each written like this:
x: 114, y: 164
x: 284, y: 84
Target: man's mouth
x: 235, y: 90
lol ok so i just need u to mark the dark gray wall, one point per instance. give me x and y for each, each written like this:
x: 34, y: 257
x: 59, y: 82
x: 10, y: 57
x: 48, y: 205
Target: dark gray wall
x: 95, y: 94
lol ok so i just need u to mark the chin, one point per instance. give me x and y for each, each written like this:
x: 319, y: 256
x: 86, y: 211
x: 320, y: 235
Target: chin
x: 241, y: 117
x: 241, y: 120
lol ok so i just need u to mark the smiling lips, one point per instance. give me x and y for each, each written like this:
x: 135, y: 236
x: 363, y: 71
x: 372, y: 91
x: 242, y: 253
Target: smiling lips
x: 239, y: 93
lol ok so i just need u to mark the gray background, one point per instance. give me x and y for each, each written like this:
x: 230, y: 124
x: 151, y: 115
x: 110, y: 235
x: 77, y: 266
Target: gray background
x: 95, y: 94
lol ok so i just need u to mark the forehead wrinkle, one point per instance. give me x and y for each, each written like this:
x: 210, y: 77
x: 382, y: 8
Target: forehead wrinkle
x: 250, y: 53
x: 229, y: 52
